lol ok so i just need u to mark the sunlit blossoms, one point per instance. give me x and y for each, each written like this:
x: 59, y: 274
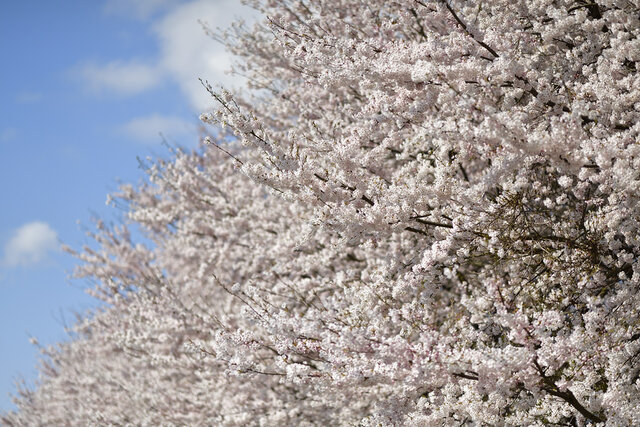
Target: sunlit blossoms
x: 423, y: 213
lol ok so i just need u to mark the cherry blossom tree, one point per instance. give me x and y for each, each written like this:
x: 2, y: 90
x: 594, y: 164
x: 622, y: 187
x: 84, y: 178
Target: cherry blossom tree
x: 424, y: 212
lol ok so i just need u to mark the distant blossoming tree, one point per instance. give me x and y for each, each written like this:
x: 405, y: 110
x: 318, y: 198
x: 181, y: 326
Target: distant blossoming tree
x: 426, y: 213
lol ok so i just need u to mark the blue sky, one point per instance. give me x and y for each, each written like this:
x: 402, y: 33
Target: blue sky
x: 85, y: 88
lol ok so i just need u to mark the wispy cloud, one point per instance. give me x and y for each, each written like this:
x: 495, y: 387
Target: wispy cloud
x: 28, y: 97
x: 151, y: 129
x: 30, y: 244
x: 186, y: 52
x: 123, y: 78
x: 137, y: 9
x: 8, y: 135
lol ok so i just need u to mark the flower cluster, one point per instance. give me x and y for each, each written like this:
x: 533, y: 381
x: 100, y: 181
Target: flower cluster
x: 425, y: 212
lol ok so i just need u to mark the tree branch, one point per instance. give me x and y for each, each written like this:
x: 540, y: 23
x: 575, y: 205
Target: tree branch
x: 464, y: 28
x: 568, y: 396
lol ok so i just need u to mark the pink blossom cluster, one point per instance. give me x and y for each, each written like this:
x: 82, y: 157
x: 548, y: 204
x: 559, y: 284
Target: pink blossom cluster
x: 422, y: 212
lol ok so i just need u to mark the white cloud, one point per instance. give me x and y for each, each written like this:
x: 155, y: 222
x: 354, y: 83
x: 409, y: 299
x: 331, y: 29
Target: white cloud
x: 188, y: 53
x: 138, y: 9
x: 151, y: 129
x: 30, y: 244
x: 124, y: 78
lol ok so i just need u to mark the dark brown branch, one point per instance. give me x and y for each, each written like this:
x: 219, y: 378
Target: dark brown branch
x: 348, y: 187
x: 464, y: 28
x: 432, y: 223
x: 568, y: 396
x: 466, y: 376
x: 464, y: 172
x: 415, y: 230
x: 420, y: 27
x: 593, y: 8
x: 208, y: 141
x: 552, y: 389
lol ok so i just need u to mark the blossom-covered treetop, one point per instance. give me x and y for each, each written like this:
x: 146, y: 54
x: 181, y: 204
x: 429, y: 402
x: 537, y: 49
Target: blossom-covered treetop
x: 421, y: 212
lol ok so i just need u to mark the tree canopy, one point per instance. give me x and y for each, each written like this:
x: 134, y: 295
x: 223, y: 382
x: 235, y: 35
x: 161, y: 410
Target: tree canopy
x: 423, y: 212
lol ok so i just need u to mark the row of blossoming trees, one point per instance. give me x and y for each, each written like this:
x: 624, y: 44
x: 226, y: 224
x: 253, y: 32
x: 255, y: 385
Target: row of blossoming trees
x: 426, y: 214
